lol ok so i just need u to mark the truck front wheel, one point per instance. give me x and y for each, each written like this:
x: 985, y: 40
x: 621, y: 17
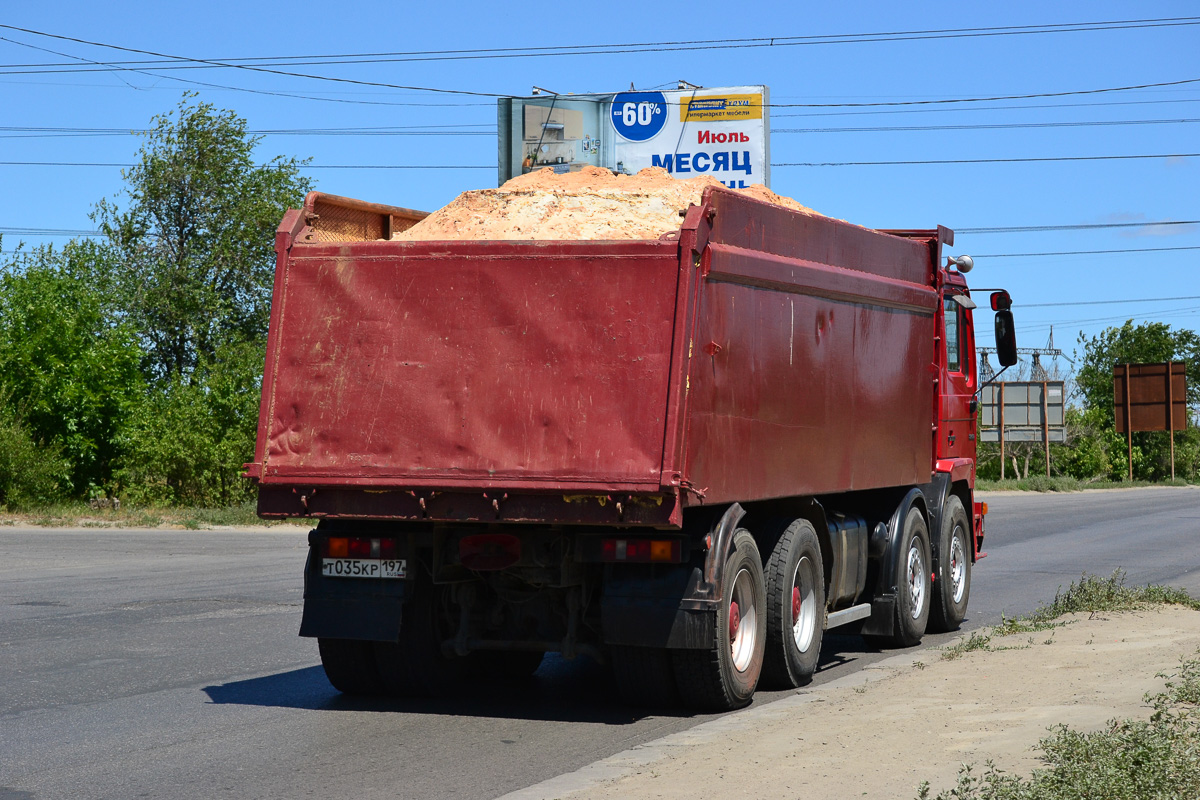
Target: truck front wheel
x: 725, y: 676
x: 952, y: 588
x: 795, y: 606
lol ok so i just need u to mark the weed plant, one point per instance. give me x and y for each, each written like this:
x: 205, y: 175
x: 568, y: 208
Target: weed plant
x: 82, y: 515
x: 1090, y: 594
x: 1157, y: 759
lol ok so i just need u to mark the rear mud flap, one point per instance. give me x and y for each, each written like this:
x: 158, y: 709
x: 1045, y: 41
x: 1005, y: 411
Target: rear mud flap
x: 656, y: 606
x: 646, y: 622
x: 882, y: 621
x: 351, y: 608
x: 375, y: 619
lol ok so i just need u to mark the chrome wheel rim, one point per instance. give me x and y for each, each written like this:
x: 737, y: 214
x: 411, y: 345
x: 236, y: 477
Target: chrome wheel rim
x: 804, y: 604
x: 743, y: 621
x: 958, y: 566
x: 916, y: 577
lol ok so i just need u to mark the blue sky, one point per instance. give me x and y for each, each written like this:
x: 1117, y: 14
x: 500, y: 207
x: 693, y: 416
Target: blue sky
x: 1151, y: 121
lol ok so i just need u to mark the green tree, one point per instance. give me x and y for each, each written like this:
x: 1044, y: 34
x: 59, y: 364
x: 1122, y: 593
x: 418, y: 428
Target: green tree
x: 1150, y: 342
x: 69, y: 362
x: 196, y: 235
x: 195, y: 239
x: 187, y: 442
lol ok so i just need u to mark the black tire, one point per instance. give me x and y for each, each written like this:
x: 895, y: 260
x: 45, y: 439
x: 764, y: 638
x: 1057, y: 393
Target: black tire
x: 415, y: 666
x: 952, y: 589
x: 913, y: 582
x: 725, y: 676
x: 795, y: 578
x: 350, y: 666
x: 644, y: 676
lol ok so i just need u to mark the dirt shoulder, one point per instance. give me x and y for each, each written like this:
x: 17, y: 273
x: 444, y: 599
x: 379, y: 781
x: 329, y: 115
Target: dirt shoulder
x: 915, y: 717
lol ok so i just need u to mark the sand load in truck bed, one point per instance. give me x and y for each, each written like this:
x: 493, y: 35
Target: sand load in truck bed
x: 592, y: 204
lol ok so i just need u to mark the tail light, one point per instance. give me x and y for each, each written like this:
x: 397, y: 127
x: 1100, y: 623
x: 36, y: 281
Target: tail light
x: 660, y: 550
x: 359, y: 547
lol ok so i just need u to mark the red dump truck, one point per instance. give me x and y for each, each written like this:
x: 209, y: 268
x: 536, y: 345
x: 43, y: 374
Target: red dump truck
x: 687, y: 457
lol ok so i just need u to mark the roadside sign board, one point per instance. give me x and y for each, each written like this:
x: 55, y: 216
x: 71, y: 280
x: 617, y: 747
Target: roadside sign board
x: 722, y: 132
x: 1033, y: 411
x: 1142, y: 395
x: 1023, y: 411
x: 1150, y: 397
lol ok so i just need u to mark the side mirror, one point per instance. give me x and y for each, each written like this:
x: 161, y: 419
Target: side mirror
x: 1006, y: 336
x: 1001, y: 301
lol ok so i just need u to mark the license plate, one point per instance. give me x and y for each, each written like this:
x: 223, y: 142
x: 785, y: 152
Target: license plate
x: 363, y: 568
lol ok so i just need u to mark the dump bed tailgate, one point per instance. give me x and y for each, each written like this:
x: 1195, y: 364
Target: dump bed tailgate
x: 529, y: 365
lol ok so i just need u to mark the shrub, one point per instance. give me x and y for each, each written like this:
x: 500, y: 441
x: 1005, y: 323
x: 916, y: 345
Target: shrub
x: 31, y: 472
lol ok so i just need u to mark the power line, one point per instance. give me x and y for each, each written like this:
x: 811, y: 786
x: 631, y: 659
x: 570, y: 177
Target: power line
x: 1107, y: 302
x: 979, y: 127
x: 247, y: 67
x: 1170, y: 312
x: 774, y: 164
x: 977, y: 160
x: 49, y: 232
x: 1025, y: 107
x: 1086, y: 252
x: 988, y: 99
x: 9, y: 132
x: 306, y: 166
x: 265, y: 92
x: 53, y: 133
x: 704, y: 45
x: 164, y: 61
x: 1092, y: 226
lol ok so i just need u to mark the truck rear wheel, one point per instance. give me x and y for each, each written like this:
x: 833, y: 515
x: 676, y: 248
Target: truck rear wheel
x: 415, y: 665
x: 725, y: 676
x: 350, y: 666
x: 952, y: 589
x: 795, y: 578
x: 913, y: 583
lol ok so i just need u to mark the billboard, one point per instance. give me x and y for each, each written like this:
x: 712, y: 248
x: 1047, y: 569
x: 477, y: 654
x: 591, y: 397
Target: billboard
x: 1150, y: 397
x: 722, y: 132
x: 1026, y: 411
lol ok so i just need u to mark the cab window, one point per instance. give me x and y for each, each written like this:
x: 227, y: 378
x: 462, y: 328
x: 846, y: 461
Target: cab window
x: 953, y: 315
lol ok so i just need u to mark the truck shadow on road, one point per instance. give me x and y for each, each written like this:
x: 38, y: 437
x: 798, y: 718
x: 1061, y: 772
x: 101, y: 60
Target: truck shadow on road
x: 561, y: 690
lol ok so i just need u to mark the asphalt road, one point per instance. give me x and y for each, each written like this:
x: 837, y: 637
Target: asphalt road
x: 165, y: 664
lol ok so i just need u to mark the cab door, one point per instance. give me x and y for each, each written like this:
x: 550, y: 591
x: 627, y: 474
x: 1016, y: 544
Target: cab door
x: 957, y: 409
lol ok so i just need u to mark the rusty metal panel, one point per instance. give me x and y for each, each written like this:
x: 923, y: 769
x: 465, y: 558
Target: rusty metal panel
x: 809, y: 377
x: 742, y: 222
x: 331, y: 218
x: 349, y: 502
x: 1149, y: 396
x: 485, y: 364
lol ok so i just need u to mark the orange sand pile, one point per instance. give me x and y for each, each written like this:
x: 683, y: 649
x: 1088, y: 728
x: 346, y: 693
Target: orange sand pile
x: 592, y: 203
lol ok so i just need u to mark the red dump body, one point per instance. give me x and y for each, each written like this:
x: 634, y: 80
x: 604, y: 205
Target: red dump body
x: 756, y: 353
